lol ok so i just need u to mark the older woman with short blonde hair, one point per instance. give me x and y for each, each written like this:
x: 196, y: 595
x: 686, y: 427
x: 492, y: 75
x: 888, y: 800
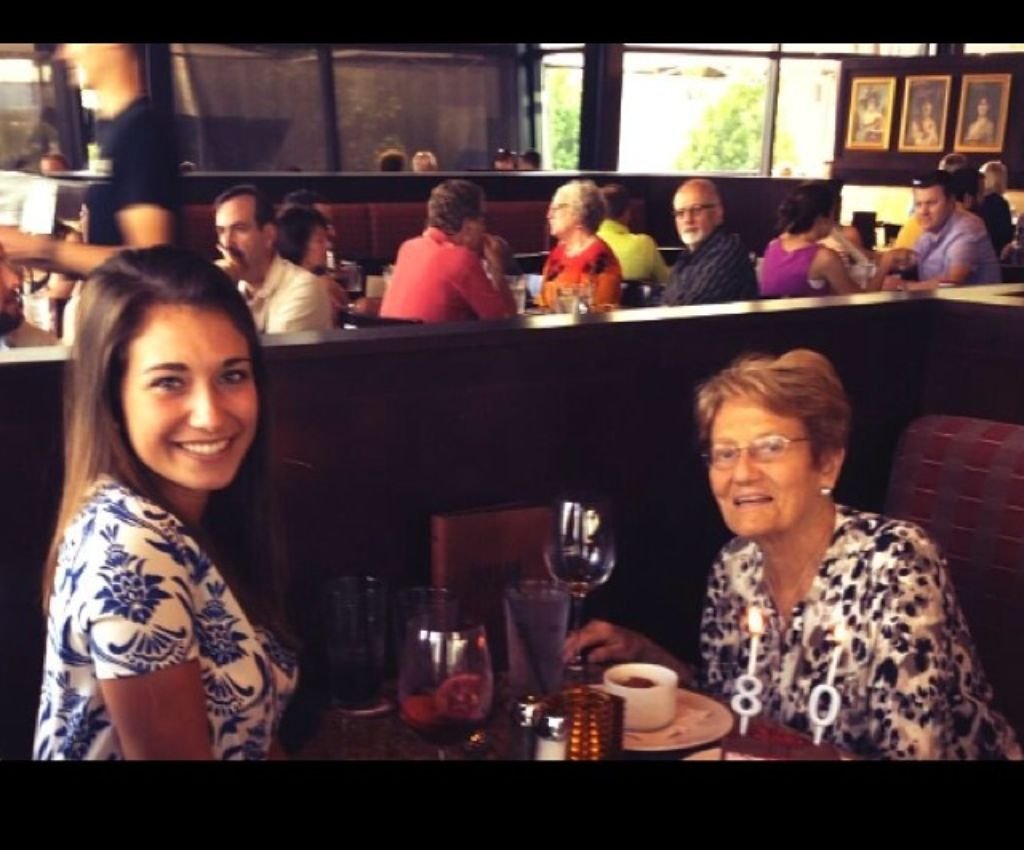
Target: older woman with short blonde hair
x: 774, y: 432
x: 801, y: 384
x: 581, y: 257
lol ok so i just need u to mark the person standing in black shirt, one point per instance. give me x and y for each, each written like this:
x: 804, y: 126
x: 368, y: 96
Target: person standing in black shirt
x: 136, y: 202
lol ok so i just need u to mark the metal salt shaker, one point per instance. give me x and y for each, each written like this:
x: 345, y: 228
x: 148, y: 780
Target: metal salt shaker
x: 552, y: 736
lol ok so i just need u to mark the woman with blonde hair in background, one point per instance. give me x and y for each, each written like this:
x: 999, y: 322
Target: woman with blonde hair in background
x: 581, y: 257
x: 994, y: 210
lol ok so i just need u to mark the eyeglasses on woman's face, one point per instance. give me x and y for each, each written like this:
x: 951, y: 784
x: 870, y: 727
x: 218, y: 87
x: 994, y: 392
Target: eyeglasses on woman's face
x: 764, y: 449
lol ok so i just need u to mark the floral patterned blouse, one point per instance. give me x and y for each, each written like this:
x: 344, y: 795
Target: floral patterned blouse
x: 134, y: 593
x: 910, y: 683
x: 596, y: 264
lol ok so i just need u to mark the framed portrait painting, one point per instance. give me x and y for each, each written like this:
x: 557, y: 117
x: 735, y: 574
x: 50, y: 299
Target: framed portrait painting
x: 925, y: 108
x: 870, y: 119
x: 984, y: 103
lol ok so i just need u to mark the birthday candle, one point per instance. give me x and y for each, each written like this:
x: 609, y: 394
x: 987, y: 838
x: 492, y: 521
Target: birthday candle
x: 755, y: 625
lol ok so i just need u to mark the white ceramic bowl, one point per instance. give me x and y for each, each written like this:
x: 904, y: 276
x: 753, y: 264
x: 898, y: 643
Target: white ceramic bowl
x: 647, y: 706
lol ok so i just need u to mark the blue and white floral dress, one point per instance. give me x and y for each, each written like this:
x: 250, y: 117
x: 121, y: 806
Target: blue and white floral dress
x: 134, y: 593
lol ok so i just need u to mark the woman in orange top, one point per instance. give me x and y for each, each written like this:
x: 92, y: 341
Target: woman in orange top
x: 580, y: 257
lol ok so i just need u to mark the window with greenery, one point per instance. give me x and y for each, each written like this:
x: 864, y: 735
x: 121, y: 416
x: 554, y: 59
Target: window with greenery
x: 697, y: 107
x: 805, y: 118
x: 561, y: 99
x: 709, y: 107
x: 692, y: 112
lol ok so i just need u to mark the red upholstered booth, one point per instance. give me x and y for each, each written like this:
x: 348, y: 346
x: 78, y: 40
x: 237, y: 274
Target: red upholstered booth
x: 352, y: 226
x: 963, y: 480
x: 351, y: 223
x: 375, y: 230
x: 523, y: 224
x: 392, y: 223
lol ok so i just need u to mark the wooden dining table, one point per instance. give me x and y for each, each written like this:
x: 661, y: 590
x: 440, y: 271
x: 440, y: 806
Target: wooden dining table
x: 339, y: 734
x: 382, y: 736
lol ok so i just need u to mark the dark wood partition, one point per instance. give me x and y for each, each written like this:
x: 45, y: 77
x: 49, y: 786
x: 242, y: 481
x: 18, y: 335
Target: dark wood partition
x: 976, y: 360
x: 375, y: 430
x: 31, y: 464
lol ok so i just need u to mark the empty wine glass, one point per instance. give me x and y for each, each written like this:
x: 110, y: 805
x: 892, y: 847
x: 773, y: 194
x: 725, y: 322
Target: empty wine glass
x: 581, y: 555
x: 445, y: 679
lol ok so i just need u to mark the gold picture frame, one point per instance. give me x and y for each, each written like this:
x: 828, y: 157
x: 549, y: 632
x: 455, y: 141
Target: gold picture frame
x: 869, y: 123
x: 925, y: 113
x: 984, y: 108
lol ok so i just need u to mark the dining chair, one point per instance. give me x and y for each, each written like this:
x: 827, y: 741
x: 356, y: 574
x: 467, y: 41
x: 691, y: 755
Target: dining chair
x: 476, y: 553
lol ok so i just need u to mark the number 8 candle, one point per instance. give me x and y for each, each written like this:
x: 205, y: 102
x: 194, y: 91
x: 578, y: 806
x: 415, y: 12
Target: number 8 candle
x: 745, y: 701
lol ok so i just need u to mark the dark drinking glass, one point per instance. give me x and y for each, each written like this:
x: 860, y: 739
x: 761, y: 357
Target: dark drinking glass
x: 356, y: 640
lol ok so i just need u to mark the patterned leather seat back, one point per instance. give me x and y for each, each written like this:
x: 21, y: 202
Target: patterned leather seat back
x: 963, y: 480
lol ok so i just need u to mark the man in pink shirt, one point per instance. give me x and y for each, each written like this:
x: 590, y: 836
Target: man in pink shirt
x: 441, y: 275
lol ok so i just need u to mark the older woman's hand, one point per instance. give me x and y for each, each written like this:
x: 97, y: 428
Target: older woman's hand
x: 604, y: 642
x: 607, y: 643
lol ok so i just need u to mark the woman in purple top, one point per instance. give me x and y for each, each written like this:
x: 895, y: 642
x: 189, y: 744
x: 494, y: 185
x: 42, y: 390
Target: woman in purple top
x: 795, y: 264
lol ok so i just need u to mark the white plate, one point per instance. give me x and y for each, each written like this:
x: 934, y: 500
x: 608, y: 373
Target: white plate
x: 699, y: 720
x: 715, y: 754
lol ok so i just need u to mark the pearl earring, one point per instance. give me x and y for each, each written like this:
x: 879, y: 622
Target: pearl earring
x: 826, y: 491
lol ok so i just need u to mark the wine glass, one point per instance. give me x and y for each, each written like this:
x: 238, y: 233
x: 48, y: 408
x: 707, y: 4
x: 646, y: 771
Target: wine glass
x: 350, y: 275
x: 581, y: 555
x: 445, y: 680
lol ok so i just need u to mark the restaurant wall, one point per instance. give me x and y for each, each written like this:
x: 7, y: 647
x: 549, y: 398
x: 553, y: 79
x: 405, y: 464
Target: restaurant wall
x: 892, y: 166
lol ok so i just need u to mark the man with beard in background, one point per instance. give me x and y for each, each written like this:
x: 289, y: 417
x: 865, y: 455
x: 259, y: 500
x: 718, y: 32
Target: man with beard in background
x: 714, y: 266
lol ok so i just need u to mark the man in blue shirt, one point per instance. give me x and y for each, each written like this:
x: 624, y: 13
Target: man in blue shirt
x: 955, y: 248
